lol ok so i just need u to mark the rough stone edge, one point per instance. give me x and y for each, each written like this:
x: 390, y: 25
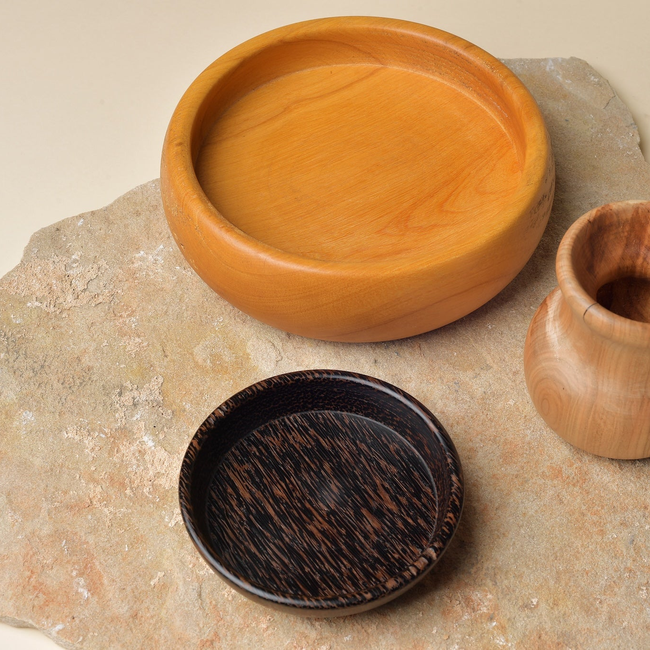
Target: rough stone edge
x: 18, y: 623
x: 37, y: 233
x: 614, y: 96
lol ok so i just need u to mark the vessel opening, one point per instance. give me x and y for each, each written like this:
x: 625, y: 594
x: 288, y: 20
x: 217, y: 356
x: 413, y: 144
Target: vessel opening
x: 628, y: 297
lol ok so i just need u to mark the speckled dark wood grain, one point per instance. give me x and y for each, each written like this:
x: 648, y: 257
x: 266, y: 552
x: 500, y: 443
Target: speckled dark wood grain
x: 322, y: 492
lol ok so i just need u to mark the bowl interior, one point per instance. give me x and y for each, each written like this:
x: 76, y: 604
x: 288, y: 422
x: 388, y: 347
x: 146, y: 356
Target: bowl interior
x: 320, y: 490
x: 361, y: 143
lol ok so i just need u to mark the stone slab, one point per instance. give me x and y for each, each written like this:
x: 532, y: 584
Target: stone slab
x: 112, y: 352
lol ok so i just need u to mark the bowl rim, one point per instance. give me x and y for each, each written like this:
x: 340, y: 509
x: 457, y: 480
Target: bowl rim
x: 177, y: 149
x: 599, y: 319
x: 379, y: 593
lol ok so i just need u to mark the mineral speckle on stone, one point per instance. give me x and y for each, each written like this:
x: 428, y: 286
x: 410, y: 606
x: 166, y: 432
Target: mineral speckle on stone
x: 112, y: 352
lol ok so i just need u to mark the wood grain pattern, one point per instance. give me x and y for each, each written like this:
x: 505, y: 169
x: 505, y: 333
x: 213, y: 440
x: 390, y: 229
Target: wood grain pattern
x: 357, y: 179
x: 322, y: 492
x: 587, y: 352
x: 419, y: 202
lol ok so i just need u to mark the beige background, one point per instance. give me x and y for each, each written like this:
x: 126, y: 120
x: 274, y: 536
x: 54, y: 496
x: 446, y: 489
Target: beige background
x: 88, y: 87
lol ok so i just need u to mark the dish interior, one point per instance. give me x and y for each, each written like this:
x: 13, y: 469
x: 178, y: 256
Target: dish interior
x: 323, y: 502
x: 359, y: 161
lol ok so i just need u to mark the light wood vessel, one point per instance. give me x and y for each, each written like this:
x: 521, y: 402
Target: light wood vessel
x: 587, y: 352
x: 357, y: 179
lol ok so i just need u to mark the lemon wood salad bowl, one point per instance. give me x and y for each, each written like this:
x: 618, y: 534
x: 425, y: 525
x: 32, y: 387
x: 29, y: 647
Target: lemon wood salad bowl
x: 357, y: 179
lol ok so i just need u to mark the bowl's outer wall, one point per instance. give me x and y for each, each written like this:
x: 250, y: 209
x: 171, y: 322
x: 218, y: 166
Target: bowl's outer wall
x: 346, y: 301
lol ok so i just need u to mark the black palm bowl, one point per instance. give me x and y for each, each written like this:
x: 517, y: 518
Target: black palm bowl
x: 321, y: 492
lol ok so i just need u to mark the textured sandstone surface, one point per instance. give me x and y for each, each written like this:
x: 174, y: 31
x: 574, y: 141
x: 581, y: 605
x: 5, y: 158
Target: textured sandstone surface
x: 112, y: 352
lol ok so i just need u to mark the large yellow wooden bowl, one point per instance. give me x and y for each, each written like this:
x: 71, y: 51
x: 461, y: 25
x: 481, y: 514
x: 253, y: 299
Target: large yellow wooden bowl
x: 357, y: 179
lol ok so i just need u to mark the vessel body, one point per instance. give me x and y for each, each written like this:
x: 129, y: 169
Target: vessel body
x: 587, y: 352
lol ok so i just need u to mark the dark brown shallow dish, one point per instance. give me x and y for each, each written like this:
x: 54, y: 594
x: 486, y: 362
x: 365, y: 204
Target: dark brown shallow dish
x: 322, y: 492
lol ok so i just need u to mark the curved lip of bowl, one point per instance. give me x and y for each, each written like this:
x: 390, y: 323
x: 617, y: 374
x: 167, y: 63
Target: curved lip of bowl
x: 181, y: 127
x: 600, y: 320
x: 382, y: 592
